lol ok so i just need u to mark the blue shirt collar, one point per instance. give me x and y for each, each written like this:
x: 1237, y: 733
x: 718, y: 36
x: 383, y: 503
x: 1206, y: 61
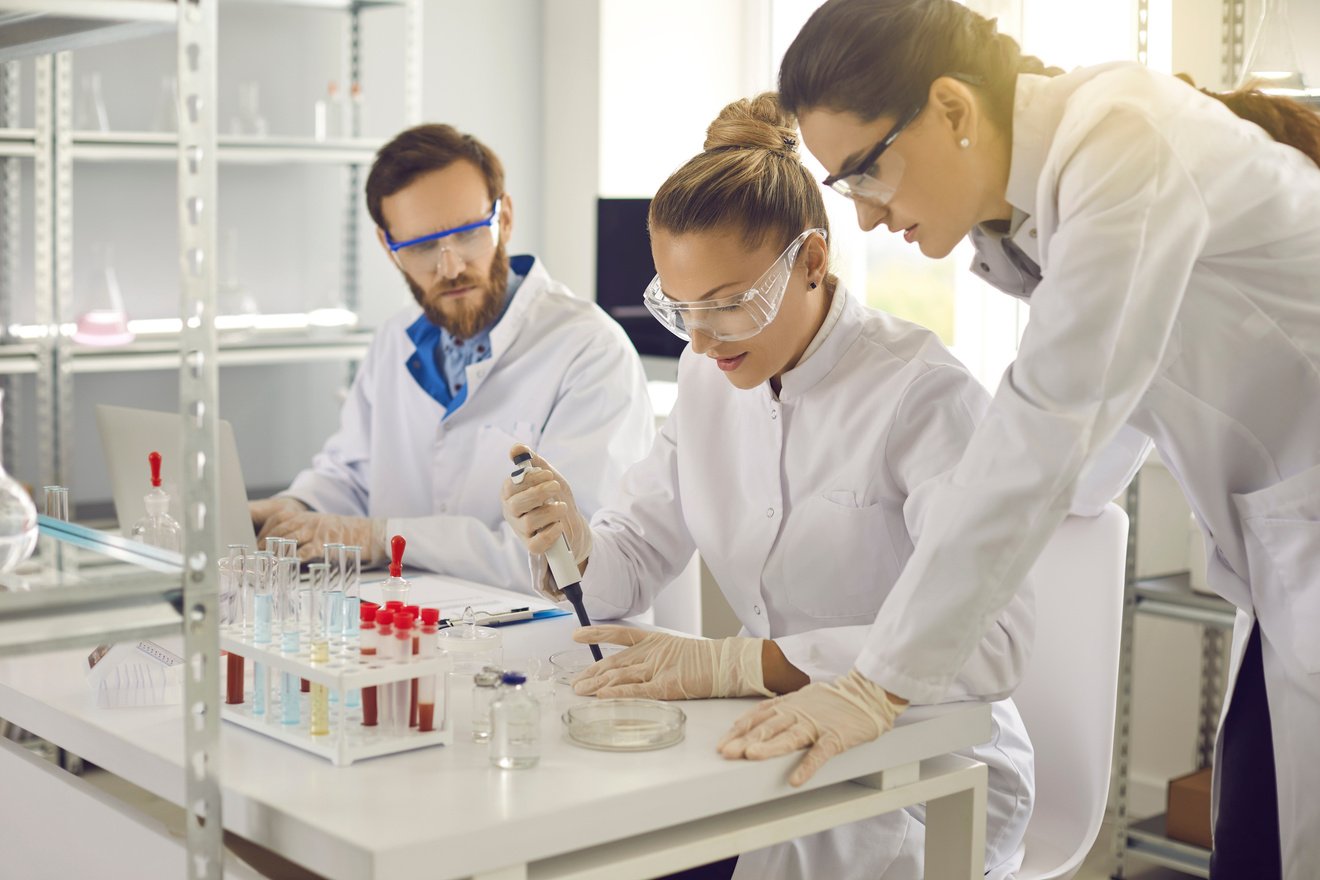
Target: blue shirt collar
x: 439, y: 365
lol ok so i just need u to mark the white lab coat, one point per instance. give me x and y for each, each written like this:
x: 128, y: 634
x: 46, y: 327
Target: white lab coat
x: 562, y: 377
x: 1180, y: 254
x: 805, y: 508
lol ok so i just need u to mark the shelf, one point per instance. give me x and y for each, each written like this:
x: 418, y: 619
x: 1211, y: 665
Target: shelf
x: 332, y: 5
x: 1147, y: 840
x: 18, y: 142
x: 39, y: 27
x: 17, y: 359
x: 128, y: 146
x: 163, y: 353
x: 134, y: 592
x: 1173, y: 597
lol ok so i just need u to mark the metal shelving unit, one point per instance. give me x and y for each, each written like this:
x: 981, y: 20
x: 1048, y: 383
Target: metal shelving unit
x: 130, y: 591
x: 63, y: 607
x: 45, y: 349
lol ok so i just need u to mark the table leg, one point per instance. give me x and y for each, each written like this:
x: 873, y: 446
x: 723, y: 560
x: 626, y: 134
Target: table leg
x: 955, y: 834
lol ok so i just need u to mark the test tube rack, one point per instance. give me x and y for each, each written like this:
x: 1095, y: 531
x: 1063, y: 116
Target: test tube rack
x: 346, y: 671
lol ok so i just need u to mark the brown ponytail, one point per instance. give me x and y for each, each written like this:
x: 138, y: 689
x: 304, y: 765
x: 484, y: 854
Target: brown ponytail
x: 878, y: 57
x: 1283, y: 119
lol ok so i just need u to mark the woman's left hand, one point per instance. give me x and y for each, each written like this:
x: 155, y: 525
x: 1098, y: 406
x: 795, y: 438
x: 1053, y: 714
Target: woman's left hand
x: 828, y: 718
x: 659, y: 666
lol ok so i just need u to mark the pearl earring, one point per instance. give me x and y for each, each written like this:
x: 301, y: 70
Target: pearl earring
x: 965, y: 143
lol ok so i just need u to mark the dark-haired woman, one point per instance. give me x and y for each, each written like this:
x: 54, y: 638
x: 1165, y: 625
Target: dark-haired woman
x: 1170, y: 251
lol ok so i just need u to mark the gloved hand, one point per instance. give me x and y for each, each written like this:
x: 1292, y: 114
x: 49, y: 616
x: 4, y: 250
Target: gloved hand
x: 539, y: 510
x: 313, y: 530
x: 830, y: 718
x: 262, y: 510
x: 658, y: 666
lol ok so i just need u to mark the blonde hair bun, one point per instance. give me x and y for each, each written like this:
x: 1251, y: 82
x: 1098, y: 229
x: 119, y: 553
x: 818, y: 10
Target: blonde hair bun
x: 758, y: 123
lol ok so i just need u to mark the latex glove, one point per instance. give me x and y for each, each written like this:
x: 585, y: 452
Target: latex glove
x: 829, y: 718
x: 539, y: 510
x: 659, y: 666
x: 313, y: 530
x: 262, y: 510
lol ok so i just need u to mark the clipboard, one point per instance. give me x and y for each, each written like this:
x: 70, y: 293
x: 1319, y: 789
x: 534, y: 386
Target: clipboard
x: 491, y: 605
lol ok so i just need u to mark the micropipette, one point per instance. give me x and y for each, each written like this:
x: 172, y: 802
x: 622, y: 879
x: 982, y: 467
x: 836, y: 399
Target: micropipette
x: 562, y: 565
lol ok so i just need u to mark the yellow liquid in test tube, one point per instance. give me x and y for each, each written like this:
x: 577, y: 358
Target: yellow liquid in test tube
x: 320, y: 694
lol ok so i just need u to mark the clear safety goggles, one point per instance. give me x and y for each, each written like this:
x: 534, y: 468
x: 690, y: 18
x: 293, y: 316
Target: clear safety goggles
x: 729, y: 318
x: 421, y: 256
x: 873, y: 178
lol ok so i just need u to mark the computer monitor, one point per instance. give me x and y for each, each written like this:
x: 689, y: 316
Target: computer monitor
x: 623, y: 269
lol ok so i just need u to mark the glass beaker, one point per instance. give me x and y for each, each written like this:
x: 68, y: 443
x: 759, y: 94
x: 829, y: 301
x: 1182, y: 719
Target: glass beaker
x: 18, y: 517
x: 104, y: 320
x: 167, y: 106
x: 238, y: 308
x: 249, y: 120
x: 1271, y: 62
x: 89, y: 114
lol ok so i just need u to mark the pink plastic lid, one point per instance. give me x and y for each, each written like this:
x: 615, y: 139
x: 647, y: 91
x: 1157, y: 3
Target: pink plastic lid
x: 430, y: 616
x: 385, y: 617
x: 403, y: 622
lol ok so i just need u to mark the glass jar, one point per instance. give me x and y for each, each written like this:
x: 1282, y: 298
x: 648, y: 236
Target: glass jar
x: 515, y: 721
x: 18, y: 517
x: 485, y: 688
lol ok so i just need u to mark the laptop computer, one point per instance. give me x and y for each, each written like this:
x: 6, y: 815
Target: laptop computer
x: 128, y: 436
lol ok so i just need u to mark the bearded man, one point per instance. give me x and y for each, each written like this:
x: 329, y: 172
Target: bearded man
x: 494, y: 353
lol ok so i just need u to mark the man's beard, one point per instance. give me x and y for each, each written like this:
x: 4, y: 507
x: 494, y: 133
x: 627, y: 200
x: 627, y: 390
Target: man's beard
x: 466, y: 317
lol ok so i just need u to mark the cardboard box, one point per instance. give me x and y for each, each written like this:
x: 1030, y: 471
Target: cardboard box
x: 1189, y: 808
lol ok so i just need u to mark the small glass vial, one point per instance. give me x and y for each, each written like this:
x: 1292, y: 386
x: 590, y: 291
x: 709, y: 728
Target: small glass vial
x: 485, y: 688
x: 515, y: 720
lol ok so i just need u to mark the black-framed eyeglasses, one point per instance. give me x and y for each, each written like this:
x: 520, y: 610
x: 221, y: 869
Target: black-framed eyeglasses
x: 856, y: 181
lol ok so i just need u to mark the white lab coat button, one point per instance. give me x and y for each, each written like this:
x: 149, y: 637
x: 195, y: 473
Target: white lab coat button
x: 756, y: 609
x: 480, y: 371
x: 1032, y: 233
x: 985, y: 267
x: 774, y: 413
x: 769, y: 512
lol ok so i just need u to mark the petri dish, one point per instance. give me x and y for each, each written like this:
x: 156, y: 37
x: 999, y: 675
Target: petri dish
x: 567, y: 664
x: 624, y: 725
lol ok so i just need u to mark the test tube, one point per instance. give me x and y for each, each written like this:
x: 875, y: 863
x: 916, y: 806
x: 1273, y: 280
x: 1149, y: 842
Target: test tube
x: 385, y: 645
x: 352, y: 589
x: 289, y: 691
x: 401, y: 690
x: 352, y: 578
x: 367, y: 648
x: 426, y: 689
x: 234, y: 666
x: 334, y: 594
x: 320, y: 722
x: 57, y: 502
x: 262, y: 612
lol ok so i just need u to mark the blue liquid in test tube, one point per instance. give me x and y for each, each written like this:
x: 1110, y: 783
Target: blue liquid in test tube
x: 290, y: 687
x: 261, y: 604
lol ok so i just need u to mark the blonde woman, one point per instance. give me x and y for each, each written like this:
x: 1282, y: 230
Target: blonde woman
x: 808, y: 433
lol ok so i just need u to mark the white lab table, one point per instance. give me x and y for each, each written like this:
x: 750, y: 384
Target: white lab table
x: 445, y: 812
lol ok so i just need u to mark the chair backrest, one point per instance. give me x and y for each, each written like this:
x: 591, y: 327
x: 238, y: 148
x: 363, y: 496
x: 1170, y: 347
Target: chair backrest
x: 1067, y: 696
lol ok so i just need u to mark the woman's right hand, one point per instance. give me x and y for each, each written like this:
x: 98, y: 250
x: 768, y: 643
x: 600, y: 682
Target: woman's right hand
x: 541, y: 508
